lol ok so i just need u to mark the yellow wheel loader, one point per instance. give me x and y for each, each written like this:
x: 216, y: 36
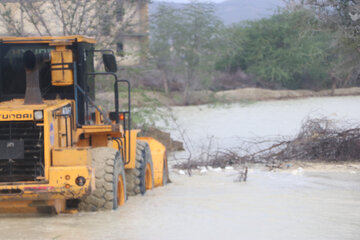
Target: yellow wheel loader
x: 59, y: 151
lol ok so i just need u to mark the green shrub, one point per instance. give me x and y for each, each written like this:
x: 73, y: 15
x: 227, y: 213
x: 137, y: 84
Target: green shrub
x: 289, y: 48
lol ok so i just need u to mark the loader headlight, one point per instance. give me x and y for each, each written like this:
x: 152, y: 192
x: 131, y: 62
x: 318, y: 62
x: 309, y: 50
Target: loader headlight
x: 80, y: 181
x: 38, y: 115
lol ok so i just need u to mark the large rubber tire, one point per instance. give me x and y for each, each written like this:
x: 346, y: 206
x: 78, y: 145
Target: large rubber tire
x: 138, y: 178
x: 110, y: 181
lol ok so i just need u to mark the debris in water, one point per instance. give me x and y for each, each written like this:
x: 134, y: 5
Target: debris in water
x: 203, y: 170
x: 318, y: 139
x: 242, y: 177
x: 298, y: 171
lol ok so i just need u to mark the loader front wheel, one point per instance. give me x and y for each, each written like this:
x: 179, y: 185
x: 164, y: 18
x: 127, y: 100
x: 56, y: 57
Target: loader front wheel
x: 109, y: 181
x: 140, y: 178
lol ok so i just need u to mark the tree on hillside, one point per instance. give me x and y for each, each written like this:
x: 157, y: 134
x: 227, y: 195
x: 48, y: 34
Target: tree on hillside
x: 285, y: 49
x: 342, y: 18
x: 183, y: 41
x: 163, y: 25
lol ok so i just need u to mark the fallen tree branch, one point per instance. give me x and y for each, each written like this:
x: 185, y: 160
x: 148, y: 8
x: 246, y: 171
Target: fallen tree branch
x: 318, y: 139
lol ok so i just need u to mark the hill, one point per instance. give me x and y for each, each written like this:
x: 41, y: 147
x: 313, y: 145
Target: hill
x: 232, y: 11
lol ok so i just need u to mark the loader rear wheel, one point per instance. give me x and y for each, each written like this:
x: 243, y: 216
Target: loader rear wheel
x: 140, y: 178
x: 109, y: 181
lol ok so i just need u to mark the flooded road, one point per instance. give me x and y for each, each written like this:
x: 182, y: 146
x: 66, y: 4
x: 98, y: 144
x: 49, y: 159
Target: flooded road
x: 283, y: 205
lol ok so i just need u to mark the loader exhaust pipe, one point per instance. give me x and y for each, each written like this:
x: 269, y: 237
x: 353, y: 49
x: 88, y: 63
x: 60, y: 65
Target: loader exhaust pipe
x: 32, y: 65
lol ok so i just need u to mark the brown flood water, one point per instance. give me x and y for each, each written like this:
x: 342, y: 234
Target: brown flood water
x: 269, y: 206
x: 308, y: 205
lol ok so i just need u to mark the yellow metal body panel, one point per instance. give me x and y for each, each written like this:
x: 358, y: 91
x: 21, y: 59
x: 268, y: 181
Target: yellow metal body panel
x: 98, y: 117
x: 158, y: 155
x: 15, y: 110
x: 63, y: 163
x: 133, y: 138
x: 17, y: 207
x: 61, y: 185
x: 31, y: 207
x: 59, y: 58
x: 99, y: 140
x: 71, y: 157
x: 54, y: 127
x: 48, y: 39
x: 58, y: 178
x: 10, y: 115
x: 55, y: 134
x: 94, y: 129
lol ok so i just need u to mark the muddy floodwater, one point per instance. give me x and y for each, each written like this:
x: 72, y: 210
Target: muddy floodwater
x: 270, y: 205
x: 228, y: 123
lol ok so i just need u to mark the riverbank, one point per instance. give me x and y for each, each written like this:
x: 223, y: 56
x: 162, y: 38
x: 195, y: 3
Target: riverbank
x: 257, y: 94
x: 157, y: 98
x: 299, y: 167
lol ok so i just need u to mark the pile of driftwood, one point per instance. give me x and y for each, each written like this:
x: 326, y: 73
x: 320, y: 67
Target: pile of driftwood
x: 319, y: 139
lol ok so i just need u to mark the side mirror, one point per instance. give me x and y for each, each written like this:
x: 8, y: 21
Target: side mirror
x: 110, y: 63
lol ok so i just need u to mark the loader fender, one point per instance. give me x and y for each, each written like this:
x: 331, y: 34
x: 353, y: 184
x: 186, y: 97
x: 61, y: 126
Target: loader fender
x: 158, y: 155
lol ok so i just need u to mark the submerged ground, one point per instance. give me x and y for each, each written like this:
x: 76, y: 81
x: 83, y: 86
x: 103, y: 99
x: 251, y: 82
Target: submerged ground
x: 311, y: 202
